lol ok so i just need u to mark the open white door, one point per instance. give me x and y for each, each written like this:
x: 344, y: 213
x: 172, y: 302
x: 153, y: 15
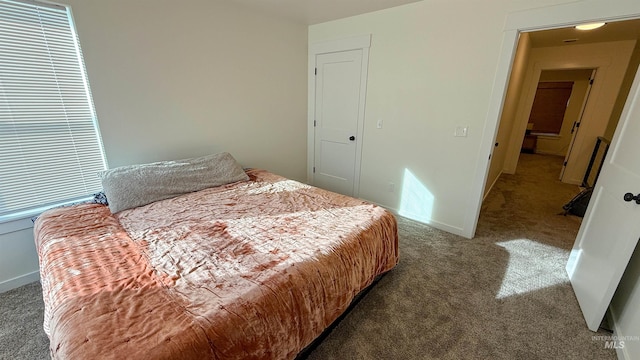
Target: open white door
x: 611, y: 226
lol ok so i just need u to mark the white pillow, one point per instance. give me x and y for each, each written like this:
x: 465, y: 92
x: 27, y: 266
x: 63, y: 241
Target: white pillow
x: 136, y: 185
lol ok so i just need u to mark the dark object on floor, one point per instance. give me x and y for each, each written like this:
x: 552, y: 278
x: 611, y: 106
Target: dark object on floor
x: 597, y: 159
x: 578, y: 205
x: 529, y: 144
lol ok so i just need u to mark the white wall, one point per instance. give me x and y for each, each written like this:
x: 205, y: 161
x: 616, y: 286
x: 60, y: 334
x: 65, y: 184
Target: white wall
x: 432, y: 66
x: 173, y: 80
x: 624, y: 308
x: 509, y: 110
x: 18, y: 259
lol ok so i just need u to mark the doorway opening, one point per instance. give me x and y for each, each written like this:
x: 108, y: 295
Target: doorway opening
x: 612, y: 85
x: 600, y: 91
x: 556, y: 113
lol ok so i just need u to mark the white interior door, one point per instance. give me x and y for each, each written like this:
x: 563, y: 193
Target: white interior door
x: 337, y: 110
x: 611, y: 226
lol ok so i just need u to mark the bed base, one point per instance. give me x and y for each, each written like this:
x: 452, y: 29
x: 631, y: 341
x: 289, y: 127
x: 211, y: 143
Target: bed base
x: 304, y: 353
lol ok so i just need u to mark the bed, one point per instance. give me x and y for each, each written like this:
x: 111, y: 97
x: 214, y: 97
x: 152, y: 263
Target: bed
x: 253, y: 269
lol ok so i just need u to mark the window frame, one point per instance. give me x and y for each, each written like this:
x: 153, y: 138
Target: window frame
x: 549, y: 93
x: 22, y: 219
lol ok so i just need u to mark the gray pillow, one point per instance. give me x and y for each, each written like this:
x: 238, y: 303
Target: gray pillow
x: 136, y: 185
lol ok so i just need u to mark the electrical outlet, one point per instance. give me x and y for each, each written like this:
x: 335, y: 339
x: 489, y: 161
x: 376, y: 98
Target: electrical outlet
x: 391, y: 187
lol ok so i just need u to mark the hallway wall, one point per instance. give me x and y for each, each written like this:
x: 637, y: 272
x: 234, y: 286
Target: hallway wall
x: 559, y: 145
x: 611, y: 59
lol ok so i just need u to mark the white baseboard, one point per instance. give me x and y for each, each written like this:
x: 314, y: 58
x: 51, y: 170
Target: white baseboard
x: 16, y: 282
x: 611, y: 319
x: 538, y: 152
x: 433, y: 223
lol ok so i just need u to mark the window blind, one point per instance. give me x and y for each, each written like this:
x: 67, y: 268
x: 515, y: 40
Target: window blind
x: 50, y: 146
x: 549, y: 106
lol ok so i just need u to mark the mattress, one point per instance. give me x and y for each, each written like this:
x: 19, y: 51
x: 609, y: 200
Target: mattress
x: 253, y: 270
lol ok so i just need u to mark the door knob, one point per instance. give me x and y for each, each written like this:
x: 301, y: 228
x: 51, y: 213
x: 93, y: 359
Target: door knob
x: 629, y: 196
x: 352, y: 138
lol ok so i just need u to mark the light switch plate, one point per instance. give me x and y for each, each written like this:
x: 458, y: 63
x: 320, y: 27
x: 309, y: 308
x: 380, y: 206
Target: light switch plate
x: 461, y: 131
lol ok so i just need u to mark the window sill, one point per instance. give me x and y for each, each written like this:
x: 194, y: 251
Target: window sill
x: 548, y: 136
x: 22, y: 220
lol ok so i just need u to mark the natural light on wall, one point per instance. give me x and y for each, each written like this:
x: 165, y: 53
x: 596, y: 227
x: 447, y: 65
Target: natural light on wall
x: 532, y: 266
x: 416, y: 201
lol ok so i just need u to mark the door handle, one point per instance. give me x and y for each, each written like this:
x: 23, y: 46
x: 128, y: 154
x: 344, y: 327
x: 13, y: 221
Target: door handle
x: 352, y: 138
x: 629, y: 196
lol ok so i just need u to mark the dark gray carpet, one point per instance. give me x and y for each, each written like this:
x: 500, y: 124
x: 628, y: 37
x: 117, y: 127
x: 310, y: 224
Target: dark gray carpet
x: 21, y: 316
x: 502, y: 295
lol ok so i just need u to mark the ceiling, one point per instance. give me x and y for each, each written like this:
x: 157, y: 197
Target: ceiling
x: 311, y: 12
x: 614, y: 31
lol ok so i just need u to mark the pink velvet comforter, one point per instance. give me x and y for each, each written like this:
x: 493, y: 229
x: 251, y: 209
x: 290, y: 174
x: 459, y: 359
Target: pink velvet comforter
x: 250, y: 270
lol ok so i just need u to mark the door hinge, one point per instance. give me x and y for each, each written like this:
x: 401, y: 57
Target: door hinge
x: 576, y: 124
x: 314, y: 169
x: 314, y: 123
x: 591, y: 81
x: 315, y: 72
x: 564, y: 164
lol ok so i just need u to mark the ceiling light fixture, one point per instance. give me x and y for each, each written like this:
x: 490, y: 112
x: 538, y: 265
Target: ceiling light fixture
x: 590, y: 26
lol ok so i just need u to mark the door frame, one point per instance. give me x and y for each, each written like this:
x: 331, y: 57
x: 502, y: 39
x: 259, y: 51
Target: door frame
x: 575, y: 129
x: 362, y: 42
x: 523, y: 21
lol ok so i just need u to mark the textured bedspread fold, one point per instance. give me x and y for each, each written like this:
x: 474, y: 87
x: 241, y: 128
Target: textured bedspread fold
x: 254, y: 269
